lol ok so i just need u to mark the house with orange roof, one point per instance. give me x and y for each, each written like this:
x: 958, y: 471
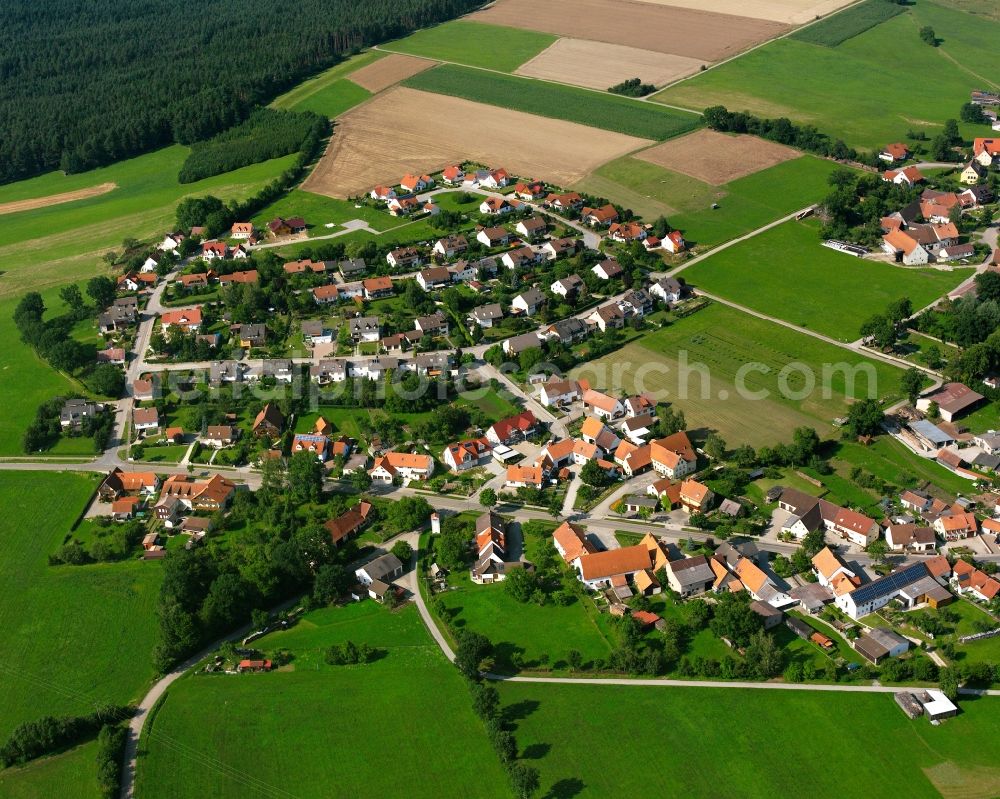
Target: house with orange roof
x: 312, y: 443
x: 211, y: 494
x: 187, y: 319
x: 972, y: 582
x: 986, y: 150
x: 413, y: 183
x: 467, y: 454
x: 904, y: 248
x: 404, y: 465
x: 241, y: 230
x: 383, y: 193
x: 667, y: 491
x: 524, y: 477
x: 633, y: 459
x: 856, y: 527
x: 896, y: 151
x: 627, y: 232
x: 612, y: 567
x: 909, y: 176
x: 119, y: 483
x: 571, y: 542
x: 599, y: 217
x: 831, y: 572
x: 673, y: 456
x: 956, y: 526
x: 760, y: 584
x: 696, y: 497
x: 602, y: 405
x: 348, y: 523
x: 453, y: 175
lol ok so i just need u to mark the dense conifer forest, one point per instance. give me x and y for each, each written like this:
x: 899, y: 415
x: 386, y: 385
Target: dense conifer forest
x: 86, y: 83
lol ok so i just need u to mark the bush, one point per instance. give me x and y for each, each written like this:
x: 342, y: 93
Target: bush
x: 110, y: 756
x: 49, y: 734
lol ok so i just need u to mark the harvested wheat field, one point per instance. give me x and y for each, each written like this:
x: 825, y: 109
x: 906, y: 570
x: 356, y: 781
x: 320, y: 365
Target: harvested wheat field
x: 56, y: 199
x: 704, y: 35
x: 598, y: 65
x: 717, y: 158
x: 404, y: 130
x: 791, y: 12
x: 389, y: 71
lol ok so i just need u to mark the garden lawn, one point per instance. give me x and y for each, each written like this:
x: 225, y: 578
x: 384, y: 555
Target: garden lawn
x: 983, y: 418
x: 831, y: 87
x: 598, y: 110
x: 54, y: 245
x: 463, y: 41
x: 725, y: 340
x: 684, y: 730
x: 68, y: 775
x: 316, y: 93
x: 72, y: 635
x: 319, y: 211
x: 785, y: 272
x: 405, y: 720
x: 889, y: 459
x: 744, y: 204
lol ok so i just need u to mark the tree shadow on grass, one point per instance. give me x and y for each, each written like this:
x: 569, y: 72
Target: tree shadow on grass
x: 565, y: 789
x: 519, y: 710
x: 536, y: 751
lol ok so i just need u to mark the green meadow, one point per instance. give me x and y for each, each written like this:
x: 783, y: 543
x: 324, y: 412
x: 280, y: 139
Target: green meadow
x: 721, y: 348
x: 607, y: 111
x: 60, y: 243
x: 303, y: 96
x: 67, y: 775
x: 313, y: 730
x: 72, y: 636
x: 785, y: 272
x: 743, y: 205
x: 712, y: 743
x: 870, y: 89
x: 474, y: 44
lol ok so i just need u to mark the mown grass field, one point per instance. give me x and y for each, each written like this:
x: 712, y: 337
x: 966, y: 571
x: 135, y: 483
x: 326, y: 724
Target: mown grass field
x: 55, y: 245
x: 475, y: 44
x: 786, y: 273
x: 68, y: 775
x: 840, y: 27
x: 709, y: 743
x: 318, y: 211
x: 725, y: 341
x: 606, y: 111
x: 893, y: 462
x: 744, y: 204
x: 313, y: 94
x: 831, y: 87
x: 72, y: 635
x: 315, y: 730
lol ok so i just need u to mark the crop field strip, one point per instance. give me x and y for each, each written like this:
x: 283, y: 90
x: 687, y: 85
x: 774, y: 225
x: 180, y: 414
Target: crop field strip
x: 540, y: 98
x: 830, y: 86
x: 369, y: 148
x: 849, y: 23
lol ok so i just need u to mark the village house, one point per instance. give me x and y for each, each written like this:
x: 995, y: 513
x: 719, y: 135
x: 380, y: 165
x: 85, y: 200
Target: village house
x: 495, y: 206
x: 312, y: 443
x: 269, y: 422
x: 972, y: 582
x: 186, y: 319
x: 329, y: 370
x: 599, y: 217
x: 406, y: 466
x: 219, y: 436
x: 956, y: 526
x: 568, y: 286
x: 119, y: 483
x: 210, y: 495
x: 911, y: 584
x: 535, y: 190
x: 570, y: 542
x: 145, y: 421
x: 433, y: 277
x: 612, y: 568
x: 602, y: 405
x: 324, y: 295
x: 690, y: 576
x: 880, y: 643
x: 377, y: 575
x: 594, y: 431
x: 487, y: 315
x: 558, y: 248
x: 434, y: 325
x: 518, y: 344
x: 895, y: 152
x: 566, y: 331
x: 557, y: 392
x: 607, y: 317
x: 673, y: 456
x: 531, y: 228
x: 493, y: 237
x: 247, y: 277
x: 564, y: 202
x: 627, y: 232
x: 952, y: 399
x: 512, y: 429
x: 453, y: 175
x: 365, y: 328
x: 468, y: 454
x: 673, y: 242
x: 831, y: 572
x: 212, y: 250
x: 415, y: 183
x: 250, y: 335
x: 378, y: 287
x: 528, y: 302
x: 695, y: 497
x: 403, y: 257
x: 905, y: 248
x: 521, y: 258
x: 349, y: 523
x: 607, y: 269
x: 908, y: 176
x: 450, y: 246
x: 633, y: 459
x: 986, y: 150
x: 524, y: 477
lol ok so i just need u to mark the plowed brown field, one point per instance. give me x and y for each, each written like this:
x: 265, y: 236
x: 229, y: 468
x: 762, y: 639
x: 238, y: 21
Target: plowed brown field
x: 792, y: 12
x: 404, y: 130
x: 705, y: 35
x: 389, y: 71
x: 55, y: 199
x: 717, y: 158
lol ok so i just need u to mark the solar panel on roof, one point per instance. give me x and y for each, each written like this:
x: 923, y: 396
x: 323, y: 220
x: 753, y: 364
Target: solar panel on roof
x: 886, y: 585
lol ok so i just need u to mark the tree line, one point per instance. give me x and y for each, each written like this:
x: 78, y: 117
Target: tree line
x: 84, y: 85
x: 267, y: 133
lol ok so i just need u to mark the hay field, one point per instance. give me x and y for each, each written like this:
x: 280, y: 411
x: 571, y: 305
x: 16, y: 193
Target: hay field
x: 598, y: 65
x: 403, y: 130
x: 686, y: 32
x: 389, y: 71
x: 790, y: 12
x: 56, y: 199
x: 717, y: 158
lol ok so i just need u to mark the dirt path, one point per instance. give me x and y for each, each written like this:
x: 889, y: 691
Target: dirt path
x: 55, y: 199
